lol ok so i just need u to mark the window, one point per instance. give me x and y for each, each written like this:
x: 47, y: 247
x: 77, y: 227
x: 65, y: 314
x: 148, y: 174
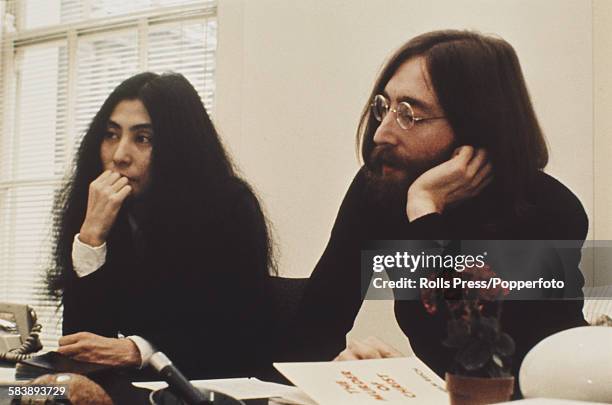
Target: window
x: 59, y: 61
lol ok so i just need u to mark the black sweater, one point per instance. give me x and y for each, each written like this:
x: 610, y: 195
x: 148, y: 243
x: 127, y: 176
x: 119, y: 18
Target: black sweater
x: 198, y: 293
x: 333, y: 296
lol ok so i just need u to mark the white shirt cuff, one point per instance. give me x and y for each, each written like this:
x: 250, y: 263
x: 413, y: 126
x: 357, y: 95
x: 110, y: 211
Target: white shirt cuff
x: 145, y: 348
x: 87, y: 259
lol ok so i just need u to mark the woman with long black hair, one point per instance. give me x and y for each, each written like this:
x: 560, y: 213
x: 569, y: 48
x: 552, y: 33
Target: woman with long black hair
x: 160, y: 241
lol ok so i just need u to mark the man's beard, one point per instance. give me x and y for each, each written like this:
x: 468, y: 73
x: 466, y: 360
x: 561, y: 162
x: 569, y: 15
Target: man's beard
x: 390, y: 189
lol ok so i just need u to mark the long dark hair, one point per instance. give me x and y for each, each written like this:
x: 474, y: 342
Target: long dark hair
x: 481, y: 88
x: 192, y: 175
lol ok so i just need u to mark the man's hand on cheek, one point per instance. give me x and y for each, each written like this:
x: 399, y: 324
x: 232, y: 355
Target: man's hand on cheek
x: 92, y: 348
x: 459, y: 178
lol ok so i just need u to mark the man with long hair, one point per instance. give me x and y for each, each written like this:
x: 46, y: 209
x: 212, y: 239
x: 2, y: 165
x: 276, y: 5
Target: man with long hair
x: 452, y: 151
x: 159, y: 240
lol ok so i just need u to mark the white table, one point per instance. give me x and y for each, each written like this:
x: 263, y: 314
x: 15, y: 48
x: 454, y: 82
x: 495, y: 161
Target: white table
x: 7, y: 374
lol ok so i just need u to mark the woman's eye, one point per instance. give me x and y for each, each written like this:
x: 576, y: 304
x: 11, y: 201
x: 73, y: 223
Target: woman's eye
x: 111, y: 135
x: 143, y: 138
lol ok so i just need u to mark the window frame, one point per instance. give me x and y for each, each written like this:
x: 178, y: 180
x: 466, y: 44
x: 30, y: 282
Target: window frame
x: 69, y: 35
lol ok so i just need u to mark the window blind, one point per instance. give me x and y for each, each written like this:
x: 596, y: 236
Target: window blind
x: 60, y: 60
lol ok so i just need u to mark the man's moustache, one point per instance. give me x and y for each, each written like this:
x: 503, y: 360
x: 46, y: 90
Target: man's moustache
x: 385, y: 156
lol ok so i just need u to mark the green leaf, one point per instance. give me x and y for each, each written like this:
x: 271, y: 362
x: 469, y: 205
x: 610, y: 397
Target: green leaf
x: 494, y: 370
x: 487, y: 328
x: 504, y: 345
x: 475, y: 355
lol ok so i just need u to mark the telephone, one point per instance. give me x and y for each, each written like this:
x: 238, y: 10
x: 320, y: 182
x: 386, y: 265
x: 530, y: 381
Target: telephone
x: 19, y: 332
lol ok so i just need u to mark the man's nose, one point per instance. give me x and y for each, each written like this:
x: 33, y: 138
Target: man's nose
x: 122, y: 154
x: 387, y: 131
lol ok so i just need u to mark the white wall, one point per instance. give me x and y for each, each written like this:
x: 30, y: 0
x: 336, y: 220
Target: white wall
x: 292, y: 78
x: 602, y: 97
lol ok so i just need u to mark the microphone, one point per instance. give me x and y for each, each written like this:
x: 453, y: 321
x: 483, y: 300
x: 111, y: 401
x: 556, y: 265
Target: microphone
x: 176, y: 380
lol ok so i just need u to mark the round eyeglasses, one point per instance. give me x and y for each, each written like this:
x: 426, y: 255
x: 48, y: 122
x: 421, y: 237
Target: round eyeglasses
x: 404, y: 115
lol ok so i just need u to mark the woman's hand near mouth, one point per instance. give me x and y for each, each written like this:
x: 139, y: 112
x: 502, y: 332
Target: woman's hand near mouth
x: 106, y: 195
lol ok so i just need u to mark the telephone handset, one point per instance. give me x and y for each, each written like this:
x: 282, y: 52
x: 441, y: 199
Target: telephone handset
x: 19, y: 332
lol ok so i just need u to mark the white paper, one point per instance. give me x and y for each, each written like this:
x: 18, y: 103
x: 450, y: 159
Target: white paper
x: 240, y: 388
x: 293, y: 396
x: 405, y: 380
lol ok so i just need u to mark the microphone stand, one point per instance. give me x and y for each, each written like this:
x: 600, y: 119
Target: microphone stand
x: 176, y: 380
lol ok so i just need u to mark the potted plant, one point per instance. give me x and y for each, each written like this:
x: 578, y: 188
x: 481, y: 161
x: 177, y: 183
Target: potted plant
x: 480, y: 371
